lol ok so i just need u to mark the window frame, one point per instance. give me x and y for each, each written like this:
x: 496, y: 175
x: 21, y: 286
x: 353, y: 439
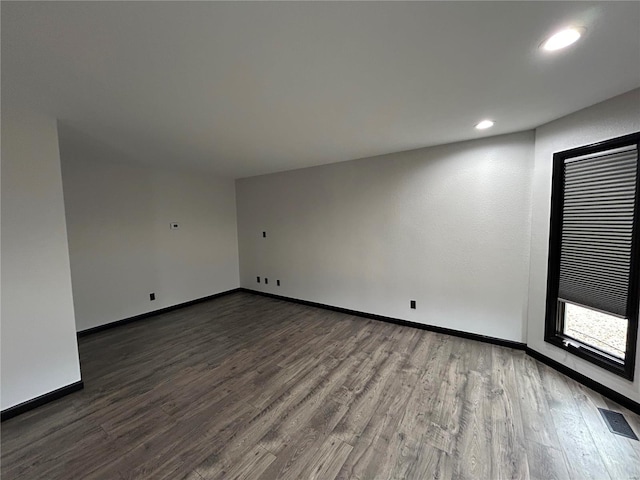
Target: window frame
x: 554, y: 318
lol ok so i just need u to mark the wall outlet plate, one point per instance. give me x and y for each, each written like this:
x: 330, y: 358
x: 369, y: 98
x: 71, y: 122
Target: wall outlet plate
x: 174, y: 225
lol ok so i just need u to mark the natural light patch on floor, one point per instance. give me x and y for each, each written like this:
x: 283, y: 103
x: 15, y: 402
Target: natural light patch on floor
x: 600, y: 330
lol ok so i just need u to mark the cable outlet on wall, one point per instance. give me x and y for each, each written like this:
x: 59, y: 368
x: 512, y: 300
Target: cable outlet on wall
x: 174, y: 225
x: 413, y: 304
x: 152, y: 296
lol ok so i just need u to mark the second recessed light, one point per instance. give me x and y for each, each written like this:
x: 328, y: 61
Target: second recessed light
x: 484, y: 124
x: 562, y: 39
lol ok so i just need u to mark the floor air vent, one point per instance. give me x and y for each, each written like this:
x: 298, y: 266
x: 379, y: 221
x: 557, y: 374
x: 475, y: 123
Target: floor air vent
x: 617, y: 423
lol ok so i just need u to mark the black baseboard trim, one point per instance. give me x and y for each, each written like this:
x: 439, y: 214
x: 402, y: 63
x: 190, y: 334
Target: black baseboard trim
x: 142, y: 316
x: 406, y: 323
x: 41, y: 400
x: 586, y: 381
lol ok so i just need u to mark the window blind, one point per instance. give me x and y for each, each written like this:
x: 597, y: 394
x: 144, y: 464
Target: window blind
x: 597, y: 228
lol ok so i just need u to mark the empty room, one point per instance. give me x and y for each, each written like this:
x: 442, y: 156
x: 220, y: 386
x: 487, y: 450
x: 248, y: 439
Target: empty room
x: 320, y: 240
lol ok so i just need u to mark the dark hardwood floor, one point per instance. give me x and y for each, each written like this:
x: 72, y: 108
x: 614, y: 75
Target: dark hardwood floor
x: 246, y: 387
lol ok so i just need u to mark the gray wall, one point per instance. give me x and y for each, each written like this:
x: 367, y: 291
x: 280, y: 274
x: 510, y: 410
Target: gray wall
x: 445, y: 226
x: 612, y: 118
x: 39, y: 348
x: 120, y: 243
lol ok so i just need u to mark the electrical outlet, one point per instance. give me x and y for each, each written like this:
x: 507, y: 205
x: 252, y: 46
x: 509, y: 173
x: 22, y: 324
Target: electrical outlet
x: 152, y: 297
x: 264, y: 234
x: 174, y: 225
x: 278, y: 282
x: 266, y: 280
x: 413, y: 304
x: 258, y: 279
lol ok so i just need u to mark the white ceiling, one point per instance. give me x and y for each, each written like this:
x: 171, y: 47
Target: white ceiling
x: 249, y: 88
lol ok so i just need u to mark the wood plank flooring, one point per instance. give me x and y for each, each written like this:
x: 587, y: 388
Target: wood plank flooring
x: 246, y: 387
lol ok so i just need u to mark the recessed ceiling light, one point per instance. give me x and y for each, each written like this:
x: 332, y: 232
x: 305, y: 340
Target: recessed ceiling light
x: 562, y: 39
x: 484, y: 124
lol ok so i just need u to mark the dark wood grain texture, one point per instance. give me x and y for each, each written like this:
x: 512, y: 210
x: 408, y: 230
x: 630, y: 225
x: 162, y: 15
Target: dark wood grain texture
x: 248, y: 387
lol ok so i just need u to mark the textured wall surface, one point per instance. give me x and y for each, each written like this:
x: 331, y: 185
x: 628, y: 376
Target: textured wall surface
x: 613, y: 118
x: 445, y: 226
x: 120, y: 243
x: 39, y: 347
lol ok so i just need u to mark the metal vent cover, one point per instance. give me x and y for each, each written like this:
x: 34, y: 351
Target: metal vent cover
x: 617, y: 423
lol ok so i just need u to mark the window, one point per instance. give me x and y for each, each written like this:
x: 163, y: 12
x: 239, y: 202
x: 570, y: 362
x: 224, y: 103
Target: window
x: 594, y: 253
